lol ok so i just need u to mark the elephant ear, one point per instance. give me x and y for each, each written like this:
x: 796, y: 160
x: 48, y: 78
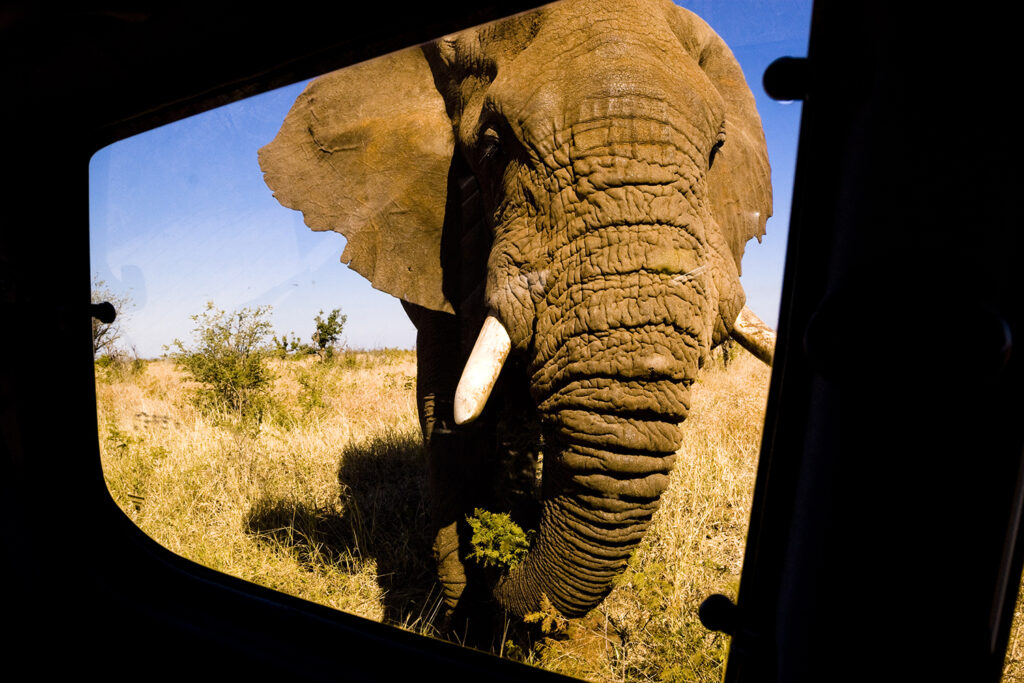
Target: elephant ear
x: 740, y: 179
x: 365, y: 151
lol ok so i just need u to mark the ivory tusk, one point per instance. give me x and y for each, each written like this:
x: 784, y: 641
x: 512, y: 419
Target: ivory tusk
x: 482, y: 370
x: 753, y: 335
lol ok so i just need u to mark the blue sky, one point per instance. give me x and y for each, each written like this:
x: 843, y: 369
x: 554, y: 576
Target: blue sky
x: 180, y: 215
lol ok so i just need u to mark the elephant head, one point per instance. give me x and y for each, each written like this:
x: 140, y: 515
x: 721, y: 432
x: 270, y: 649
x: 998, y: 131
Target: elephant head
x: 576, y: 185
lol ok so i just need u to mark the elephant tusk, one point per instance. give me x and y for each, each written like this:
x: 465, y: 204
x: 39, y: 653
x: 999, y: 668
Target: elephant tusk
x: 753, y: 335
x: 482, y: 370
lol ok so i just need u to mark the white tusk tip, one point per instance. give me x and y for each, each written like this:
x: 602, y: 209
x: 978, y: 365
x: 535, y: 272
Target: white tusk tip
x: 464, y: 413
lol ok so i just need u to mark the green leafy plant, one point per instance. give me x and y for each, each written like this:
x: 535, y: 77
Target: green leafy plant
x: 228, y: 358
x: 119, y: 441
x: 284, y: 347
x: 312, y: 391
x: 119, y: 366
x: 497, y: 541
x: 328, y: 332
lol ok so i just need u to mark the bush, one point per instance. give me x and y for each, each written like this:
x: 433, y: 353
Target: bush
x: 497, y: 540
x: 119, y: 366
x: 328, y: 332
x: 229, y: 359
x: 312, y: 390
x: 284, y: 347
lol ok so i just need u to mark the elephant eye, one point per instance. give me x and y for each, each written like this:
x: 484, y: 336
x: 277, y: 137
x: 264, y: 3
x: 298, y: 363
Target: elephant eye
x: 490, y: 145
x: 714, y: 150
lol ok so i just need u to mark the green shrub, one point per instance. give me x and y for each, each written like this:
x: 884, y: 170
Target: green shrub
x: 285, y: 347
x: 497, y: 540
x: 281, y: 346
x: 228, y: 358
x: 119, y: 366
x: 312, y: 391
x: 328, y: 331
x: 120, y: 442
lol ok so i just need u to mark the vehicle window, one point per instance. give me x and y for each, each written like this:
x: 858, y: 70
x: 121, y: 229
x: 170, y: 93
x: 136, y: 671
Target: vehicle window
x: 574, y: 198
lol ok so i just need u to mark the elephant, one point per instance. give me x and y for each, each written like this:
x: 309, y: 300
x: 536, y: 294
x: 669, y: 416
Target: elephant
x: 561, y: 200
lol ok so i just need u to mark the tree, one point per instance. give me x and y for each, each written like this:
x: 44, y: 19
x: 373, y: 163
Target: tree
x: 328, y: 332
x: 229, y: 358
x: 105, y: 336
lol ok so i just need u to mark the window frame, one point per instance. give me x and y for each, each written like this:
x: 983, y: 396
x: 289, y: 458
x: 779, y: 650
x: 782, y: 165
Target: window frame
x: 90, y: 590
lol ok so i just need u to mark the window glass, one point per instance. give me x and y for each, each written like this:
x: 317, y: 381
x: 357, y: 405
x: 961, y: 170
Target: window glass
x: 257, y: 398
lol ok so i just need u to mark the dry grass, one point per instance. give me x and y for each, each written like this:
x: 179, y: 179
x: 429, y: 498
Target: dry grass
x: 1013, y: 666
x: 326, y: 501
x: 268, y: 506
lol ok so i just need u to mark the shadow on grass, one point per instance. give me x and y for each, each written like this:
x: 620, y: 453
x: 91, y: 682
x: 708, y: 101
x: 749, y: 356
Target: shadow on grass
x: 385, y: 517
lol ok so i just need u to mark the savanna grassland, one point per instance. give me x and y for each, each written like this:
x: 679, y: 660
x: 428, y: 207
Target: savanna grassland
x: 324, y: 499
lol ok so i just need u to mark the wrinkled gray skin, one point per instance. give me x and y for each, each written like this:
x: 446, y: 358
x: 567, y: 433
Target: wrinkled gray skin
x: 589, y: 173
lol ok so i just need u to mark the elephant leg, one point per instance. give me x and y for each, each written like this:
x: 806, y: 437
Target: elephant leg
x: 460, y: 463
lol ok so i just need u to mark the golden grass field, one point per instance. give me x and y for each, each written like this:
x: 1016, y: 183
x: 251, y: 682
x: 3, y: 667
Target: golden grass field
x: 325, y: 500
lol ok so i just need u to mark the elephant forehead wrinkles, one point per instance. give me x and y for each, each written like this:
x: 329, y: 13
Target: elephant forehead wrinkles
x: 627, y: 206
x: 631, y: 300
x: 607, y: 65
x: 596, y: 185
x: 629, y: 257
x: 634, y: 163
x: 602, y: 122
x: 593, y: 87
x: 668, y: 208
x: 669, y: 141
x: 609, y: 172
x: 619, y: 251
x: 570, y: 293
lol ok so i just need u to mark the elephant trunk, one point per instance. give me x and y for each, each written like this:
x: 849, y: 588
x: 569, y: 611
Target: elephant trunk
x: 615, y: 354
x: 598, y: 503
